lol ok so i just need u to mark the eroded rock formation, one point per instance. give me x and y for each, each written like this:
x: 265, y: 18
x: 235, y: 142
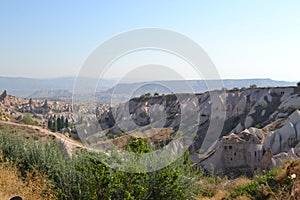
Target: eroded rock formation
x: 272, y: 111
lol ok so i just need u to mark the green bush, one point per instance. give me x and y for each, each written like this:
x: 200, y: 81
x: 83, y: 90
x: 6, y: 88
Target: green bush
x: 138, y: 145
x: 84, y: 176
x: 28, y: 120
x: 11, y: 146
x: 258, y: 126
x: 176, y: 181
x: 248, y: 189
x: 47, y: 158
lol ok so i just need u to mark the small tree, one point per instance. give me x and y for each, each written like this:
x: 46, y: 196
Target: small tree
x: 253, y: 86
x: 138, y: 145
x: 62, y: 122
x: 58, y: 121
x: 50, y: 126
x: 298, y: 84
x: 67, y: 123
x: 54, y: 125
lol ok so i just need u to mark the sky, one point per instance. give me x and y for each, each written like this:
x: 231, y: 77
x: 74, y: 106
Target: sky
x: 244, y: 39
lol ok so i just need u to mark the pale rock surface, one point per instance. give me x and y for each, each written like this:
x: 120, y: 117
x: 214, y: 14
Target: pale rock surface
x: 290, y: 102
x: 294, y: 118
x: 248, y: 122
x: 278, y: 140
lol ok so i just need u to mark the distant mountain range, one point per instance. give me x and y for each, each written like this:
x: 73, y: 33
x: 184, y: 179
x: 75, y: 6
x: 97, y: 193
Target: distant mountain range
x: 62, y: 87
x: 40, y: 88
x: 192, y: 86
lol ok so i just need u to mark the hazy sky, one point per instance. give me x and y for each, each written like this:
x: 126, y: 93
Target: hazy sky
x: 245, y: 39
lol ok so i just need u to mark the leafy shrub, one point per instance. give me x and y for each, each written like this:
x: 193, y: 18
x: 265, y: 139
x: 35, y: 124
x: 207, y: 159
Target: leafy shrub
x: 257, y: 126
x: 84, y: 176
x: 248, y: 189
x: 28, y: 120
x: 176, y: 181
x: 138, y: 145
x: 45, y: 157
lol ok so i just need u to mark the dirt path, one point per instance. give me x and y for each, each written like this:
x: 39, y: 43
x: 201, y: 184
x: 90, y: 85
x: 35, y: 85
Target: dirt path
x: 69, y: 143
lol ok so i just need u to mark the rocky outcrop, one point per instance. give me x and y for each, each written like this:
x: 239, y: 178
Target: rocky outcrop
x: 244, y: 150
x: 235, y: 110
x: 12, y: 108
x: 273, y: 111
x: 271, y: 148
x: 285, y: 137
x: 3, y: 95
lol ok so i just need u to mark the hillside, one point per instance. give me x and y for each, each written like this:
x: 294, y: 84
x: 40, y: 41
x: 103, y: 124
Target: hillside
x: 260, y: 124
x: 41, y: 134
x: 258, y: 137
x: 268, y: 115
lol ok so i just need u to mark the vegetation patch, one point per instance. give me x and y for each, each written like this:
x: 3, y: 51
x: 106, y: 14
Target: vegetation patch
x: 84, y: 176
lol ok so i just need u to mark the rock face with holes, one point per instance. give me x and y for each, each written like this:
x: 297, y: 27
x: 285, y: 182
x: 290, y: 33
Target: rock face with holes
x: 224, y: 122
x: 244, y: 151
x: 239, y: 110
x: 257, y: 148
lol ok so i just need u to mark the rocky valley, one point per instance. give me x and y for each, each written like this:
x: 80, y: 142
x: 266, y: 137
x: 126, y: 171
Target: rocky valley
x: 246, y: 130
x: 241, y: 129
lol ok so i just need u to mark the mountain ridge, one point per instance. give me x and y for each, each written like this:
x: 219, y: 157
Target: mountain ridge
x: 54, y: 87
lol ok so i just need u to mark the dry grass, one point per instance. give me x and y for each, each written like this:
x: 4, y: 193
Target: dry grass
x: 34, y: 186
x: 218, y: 196
x: 283, y: 187
x: 223, y: 188
x: 241, y: 181
x: 29, y: 132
